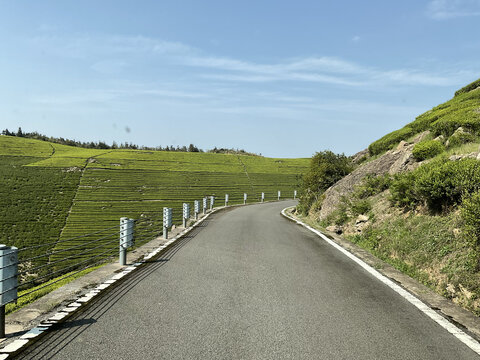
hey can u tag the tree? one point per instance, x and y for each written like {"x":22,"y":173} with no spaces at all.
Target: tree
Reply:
{"x":326,"y":168}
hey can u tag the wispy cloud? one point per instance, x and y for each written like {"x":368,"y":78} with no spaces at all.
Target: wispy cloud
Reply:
{"x":112,"y":54}
{"x":447,"y":9}
{"x":105,"y":96}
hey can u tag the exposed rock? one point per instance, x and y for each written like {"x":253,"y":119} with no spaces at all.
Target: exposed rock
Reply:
{"x":420,"y":137}
{"x":472,"y":155}
{"x":393,"y":161}
{"x":456,"y":232}
{"x":358,"y":157}
{"x":460,"y":130}
{"x":439,"y":138}
{"x":455,"y":157}
{"x":361,"y":219}
{"x":402,"y":145}
{"x":335,"y":229}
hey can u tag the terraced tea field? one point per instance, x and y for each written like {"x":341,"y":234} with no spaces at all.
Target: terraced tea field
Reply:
{"x":97,"y":187}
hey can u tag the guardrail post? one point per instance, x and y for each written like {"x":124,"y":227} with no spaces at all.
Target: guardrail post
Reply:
{"x":124,"y":231}
{"x":226,"y":199}
{"x":244,"y":198}
{"x":8,"y":280}
{"x":263,"y":197}
{"x":130,"y":231}
{"x":212,"y":202}
{"x":204,"y":205}
{"x":167,"y":221}
{"x":279,"y":193}
{"x":186,"y":214}
{"x":196,"y":208}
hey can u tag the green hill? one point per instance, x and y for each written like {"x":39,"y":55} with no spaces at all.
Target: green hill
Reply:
{"x":56,"y":192}
{"x":461,"y":111}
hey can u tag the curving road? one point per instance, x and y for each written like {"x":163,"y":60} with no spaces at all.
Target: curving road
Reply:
{"x":249,"y":284}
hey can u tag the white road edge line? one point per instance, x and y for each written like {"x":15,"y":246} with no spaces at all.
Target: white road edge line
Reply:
{"x":440,"y":320}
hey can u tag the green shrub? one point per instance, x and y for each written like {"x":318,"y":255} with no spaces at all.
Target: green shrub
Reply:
{"x":388,"y":141}
{"x":465,"y":118}
{"x":460,"y":138}
{"x":439,"y":184}
{"x":468,"y":88}
{"x":373,"y":185}
{"x":360,"y":207}
{"x":427,"y":149}
{"x":402,"y":191}
{"x":326,"y":168}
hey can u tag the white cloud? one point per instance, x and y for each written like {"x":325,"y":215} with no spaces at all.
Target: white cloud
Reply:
{"x":111,"y":54}
{"x":447,"y":9}
{"x":356,"y":38}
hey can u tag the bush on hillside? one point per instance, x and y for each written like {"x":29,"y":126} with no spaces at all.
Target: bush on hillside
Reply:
{"x":326,"y":168}
{"x":427,"y":149}
{"x":460,"y":138}
{"x":467,"y":119}
{"x":439,"y":184}
{"x":372,"y":185}
{"x":468,"y":88}
{"x":388,"y":141}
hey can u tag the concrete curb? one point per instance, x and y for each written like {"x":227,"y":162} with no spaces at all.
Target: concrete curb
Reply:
{"x":445,"y":313}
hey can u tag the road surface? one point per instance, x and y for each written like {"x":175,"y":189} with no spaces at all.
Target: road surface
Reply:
{"x":249,"y":284}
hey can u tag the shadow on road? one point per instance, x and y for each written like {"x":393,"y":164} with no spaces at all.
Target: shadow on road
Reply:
{"x":62,"y":334}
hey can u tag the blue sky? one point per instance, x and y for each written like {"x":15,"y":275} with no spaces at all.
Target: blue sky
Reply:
{"x":281,"y":78}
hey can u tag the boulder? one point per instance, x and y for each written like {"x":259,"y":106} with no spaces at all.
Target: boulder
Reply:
{"x":335,"y":229}
{"x":361,"y":219}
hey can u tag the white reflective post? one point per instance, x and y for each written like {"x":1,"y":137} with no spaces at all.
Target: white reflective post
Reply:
{"x":186,"y":214}
{"x":263,"y":196}
{"x":212,"y":202}
{"x":294,"y":194}
{"x":123,"y":240}
{"x":167,"y":221}
{"x":244,"y":198}
{"x":204,"y":205}
{"x":226,"y":199}
{"x":196,"y":208}
{"x":279,"y":193}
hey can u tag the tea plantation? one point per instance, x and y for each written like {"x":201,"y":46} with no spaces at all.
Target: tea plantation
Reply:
{"x":55,"y":194}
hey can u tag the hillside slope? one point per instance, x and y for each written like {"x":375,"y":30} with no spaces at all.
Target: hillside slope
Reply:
{"x":413,"y":199}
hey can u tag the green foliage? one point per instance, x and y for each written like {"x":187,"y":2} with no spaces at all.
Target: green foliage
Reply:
{"x":462,"y":110}
{"x":402,"y":191}
{"x":465,"y":118}
{"x":439,"y":184}
{"x":372,"y":185}
{"x":326,"y":168}
{"x":360,"y":207}
{"x":427,"y":149}
{"x":460,"y":138}
{"x":470,"y":211}
{"x":388,"y":141}
{"x":472,"y":86}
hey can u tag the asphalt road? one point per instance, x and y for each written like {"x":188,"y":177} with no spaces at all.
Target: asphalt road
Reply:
{"x":249,"y":284}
